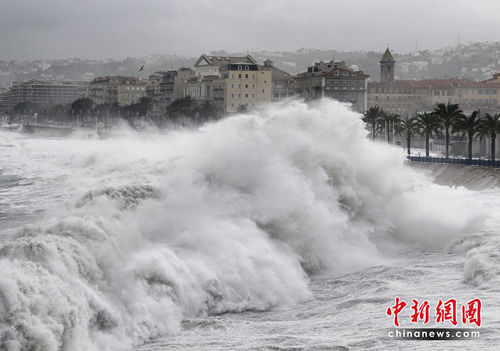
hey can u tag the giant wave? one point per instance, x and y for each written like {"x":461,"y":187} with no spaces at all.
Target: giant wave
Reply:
{"x":231,"y":217}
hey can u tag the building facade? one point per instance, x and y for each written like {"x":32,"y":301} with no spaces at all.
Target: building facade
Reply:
{"x":165,"y":87}
{"x":210,"y":65}
{"x":283,"y":83}
{"x":408,"y":97}
{"x":117,"y":89}
{"x":42,"y":93}
{"x":334,"y":80}
{"x":230,"y":83}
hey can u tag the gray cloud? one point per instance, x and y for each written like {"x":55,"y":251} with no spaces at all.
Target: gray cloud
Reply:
{"x":120,"y":28}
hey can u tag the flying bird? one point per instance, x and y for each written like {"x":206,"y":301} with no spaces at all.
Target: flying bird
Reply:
{"x":142,"y":68}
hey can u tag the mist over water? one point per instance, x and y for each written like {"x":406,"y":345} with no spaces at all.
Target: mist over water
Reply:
{"x":109,"y":244}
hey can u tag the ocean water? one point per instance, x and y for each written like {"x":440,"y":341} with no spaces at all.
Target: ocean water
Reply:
{"x":283,"y":229}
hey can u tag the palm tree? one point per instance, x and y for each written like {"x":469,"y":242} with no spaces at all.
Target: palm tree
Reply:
{"x":490,"y":125}
{"x":427,"y":124}
{"x":371,"y":117}
{"x":408,"y":127}
{"x":386,"y":123}
{"x":447,"y":114}
{"x":470,"y":125}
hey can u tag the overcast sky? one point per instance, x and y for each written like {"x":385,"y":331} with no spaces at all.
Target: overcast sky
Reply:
{"x":41,"y":29}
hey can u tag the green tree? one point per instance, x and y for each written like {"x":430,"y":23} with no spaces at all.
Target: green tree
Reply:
{"x":58,"y":112}
{"x":468,"y":124}
{"x":371,"y":117}
{"x":184,"y":107}
{"x":26,"y":108}
{"x":490,"y":126}
{"x":447,"y":114}
{"x":207,"y":111}
{"x":142,"y":106}
{"x":427,"y":124}
{"x":82,"y":106}
{"x":408,"y":127}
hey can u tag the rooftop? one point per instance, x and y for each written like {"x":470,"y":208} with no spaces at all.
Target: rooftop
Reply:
{"x":223,"y":60}
{"x":387,"y":56}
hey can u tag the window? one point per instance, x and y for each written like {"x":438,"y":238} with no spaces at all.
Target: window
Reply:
{"x":262,"y":90}
{"x":246,"y":95}
{"x":246,"y":75}
{"x":246,"y":86}
{"x":246,"y":69}
{"x":239,"y":69}
{"x":232,"y":75}
{"x":232,"y":95}
{"x":239,"y":75}
{"x":239,"y":95}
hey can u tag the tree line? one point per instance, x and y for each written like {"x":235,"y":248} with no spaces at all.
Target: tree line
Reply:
{"x":85,"y":109}
{"x":445,"y":119}
{"x":82,"y":109}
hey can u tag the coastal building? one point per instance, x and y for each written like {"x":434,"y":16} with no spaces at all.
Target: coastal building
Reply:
{"x":230,"y":83}
{"x":334,"y":79}
{"x":480,"y":95}
{"x":408,"y":97}
{"x":42,"y":93}
{"x":165,"y":87}
{"x":117,"y":89}
{"x":283,"y":83}
{"x":246,"y":84}
{"x":210,"y":89}
{"x":3,"y":100}
{"x":210,"y":65}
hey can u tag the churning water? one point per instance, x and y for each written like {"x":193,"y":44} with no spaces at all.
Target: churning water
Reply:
{"x":281,"y":229}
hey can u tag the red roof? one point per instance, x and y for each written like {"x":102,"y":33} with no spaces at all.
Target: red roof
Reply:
{"x":427,"y":83}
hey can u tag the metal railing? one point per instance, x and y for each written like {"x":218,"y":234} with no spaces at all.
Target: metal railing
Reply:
{"x":454,"y":160}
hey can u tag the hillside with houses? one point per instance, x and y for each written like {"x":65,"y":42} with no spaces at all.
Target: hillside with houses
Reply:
{"x":476,"y":61}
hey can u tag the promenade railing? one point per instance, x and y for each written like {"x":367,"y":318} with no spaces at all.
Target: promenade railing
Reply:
{"x":456,"y":160}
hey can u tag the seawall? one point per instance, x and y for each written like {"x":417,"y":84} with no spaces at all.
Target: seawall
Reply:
{"x":472,"y":177}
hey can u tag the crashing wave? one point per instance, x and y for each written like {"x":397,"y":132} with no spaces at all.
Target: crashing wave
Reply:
{"x":128,"y":197}
{"x":237,"y":215}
